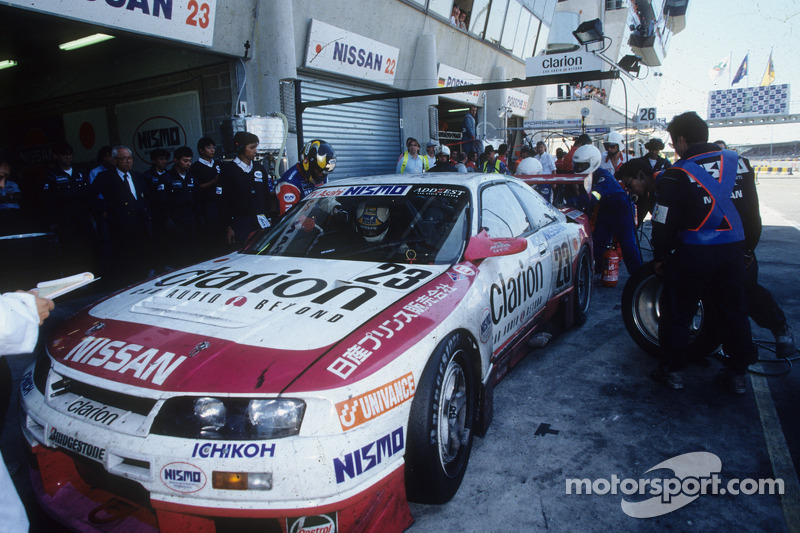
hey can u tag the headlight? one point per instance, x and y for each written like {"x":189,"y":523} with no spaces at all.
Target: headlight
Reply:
{"x":229,"y":418}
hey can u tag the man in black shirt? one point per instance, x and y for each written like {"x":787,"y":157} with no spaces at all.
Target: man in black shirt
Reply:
{"x":206,"y":173}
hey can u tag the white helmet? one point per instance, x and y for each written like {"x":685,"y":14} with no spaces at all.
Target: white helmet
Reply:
{"x":614,"y":137}
{"x":586,"y":159}
{"x":443,"y":150}
{"x":372,"y":221}
{"x":528,"y":166}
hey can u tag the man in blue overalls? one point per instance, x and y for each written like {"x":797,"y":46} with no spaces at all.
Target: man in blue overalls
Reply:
{"x":705,"y":220}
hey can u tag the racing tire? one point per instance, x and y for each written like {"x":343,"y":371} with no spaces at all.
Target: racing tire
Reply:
{"x":640,"y":312}
{"x":582,"y":283}
{"x":440,"y":427}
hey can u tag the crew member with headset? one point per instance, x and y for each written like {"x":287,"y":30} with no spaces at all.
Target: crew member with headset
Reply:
{"x":248,"y":191}
{"x":317,"y":160}
{"x":705,"y":221}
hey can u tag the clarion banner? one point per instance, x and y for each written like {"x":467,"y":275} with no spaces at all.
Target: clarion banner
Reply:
{"x":548,"y":65}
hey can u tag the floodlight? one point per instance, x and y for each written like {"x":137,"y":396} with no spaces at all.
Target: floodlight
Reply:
{"x":590,"y":31}
{"x":630,"y":63}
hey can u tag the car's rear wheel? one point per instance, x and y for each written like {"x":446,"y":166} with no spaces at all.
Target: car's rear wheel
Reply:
{"x":441,"y":422}
{"x":583,"y":287}
{"x":640,"y":312}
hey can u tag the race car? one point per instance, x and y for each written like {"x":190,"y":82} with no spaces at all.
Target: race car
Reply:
{"x":336,"y":367}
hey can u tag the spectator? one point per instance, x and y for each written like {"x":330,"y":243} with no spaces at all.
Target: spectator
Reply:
{"x":472,"y":162}
{"x":123,"y":203}
{"x":656,"y":162}
{"x":104,"y":162}
{"x":524,"y":152}
{"x":67,"y":200}
{"x":461,"y":162}
{"x":502,"y":153}
{"x":430,"y":155}
{"x":411,"y":162}
{"x":468,"y":136}
{"x":548,"y":161}
{"x":493,"y":164}
{"x":206,"y":173}
{"x":159,"y":183}
{"x":462,"y":20}
{"x":11,"y":216}
{"x":455,"y":15}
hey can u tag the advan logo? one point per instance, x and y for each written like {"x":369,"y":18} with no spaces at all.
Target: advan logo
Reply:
{"x":183,"y":477}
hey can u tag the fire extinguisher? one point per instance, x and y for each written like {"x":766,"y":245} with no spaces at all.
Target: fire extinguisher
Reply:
{"x":610,"y":266}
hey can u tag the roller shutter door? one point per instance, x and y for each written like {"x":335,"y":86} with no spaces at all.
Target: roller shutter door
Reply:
{"x":365,"y":135}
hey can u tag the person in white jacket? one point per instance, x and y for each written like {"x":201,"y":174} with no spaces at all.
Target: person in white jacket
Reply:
{"x":21,"y":314}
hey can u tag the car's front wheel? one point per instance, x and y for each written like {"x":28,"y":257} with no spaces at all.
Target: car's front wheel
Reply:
{"x":441,"y":422}
{"x":582,"y":282}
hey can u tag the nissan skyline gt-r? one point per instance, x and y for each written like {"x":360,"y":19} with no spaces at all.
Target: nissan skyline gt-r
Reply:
{"x":334,"y":368}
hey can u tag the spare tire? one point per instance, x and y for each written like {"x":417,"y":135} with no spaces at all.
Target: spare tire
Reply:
{"x":640,"y":312}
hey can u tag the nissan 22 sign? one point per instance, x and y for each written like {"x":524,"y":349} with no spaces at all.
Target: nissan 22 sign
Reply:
{"x":335,"y":50}
{"x":190,"y":21}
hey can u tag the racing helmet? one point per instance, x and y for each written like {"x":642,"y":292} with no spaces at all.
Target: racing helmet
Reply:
{"x":614,"y":137}
{"x":372,"y":221}
{"x":528,"y":166}
{"x":586,"y":159}
{"x":318,"y":160}
{"x":443,"y":150}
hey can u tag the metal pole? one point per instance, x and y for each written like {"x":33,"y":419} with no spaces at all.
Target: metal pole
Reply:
{"x":298,"y":116}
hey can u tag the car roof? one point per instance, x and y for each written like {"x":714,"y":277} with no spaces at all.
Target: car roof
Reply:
{"x":470,"y":180}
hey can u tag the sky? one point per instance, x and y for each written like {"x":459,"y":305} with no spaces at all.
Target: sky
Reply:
{"x":714,"y":29}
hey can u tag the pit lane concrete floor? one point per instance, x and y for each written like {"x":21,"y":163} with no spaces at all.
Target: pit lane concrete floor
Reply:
{"x":584,"y":407}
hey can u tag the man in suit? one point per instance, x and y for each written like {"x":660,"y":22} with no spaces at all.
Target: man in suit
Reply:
{"x":123,"y":206}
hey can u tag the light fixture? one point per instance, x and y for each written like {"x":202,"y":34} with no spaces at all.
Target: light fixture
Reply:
{"x":590,"y":31}
{"x":85,"y":41}
{"x":458,"y":110}
{"x":630,"y":63}
{"x":7,"y":63}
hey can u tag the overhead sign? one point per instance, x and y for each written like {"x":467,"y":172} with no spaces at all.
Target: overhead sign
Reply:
{"x":339,"y":51}
{"x":550,"y":124}
{"x":190,"y":21}
{"x":452,"y":77}
{"x":516,"y":101}
{"x":548,"y":65}
{"x":598,"y":129}
{"x":749,"y":101}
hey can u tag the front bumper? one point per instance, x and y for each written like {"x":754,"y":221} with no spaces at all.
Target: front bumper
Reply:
{"x":94,"y":478}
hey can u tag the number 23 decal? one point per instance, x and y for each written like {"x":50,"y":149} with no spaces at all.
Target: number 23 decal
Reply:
{"x":202,"y":10}
{"x":562,"y":264}
{"x":408,"y":277}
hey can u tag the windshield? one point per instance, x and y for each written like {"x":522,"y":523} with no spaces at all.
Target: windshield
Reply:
{"x":424,"y":224}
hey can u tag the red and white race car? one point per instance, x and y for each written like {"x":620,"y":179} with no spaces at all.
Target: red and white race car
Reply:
{"x":339,"y":364}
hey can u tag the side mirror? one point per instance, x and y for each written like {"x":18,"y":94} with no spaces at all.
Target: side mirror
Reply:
{"x":481,"y":246}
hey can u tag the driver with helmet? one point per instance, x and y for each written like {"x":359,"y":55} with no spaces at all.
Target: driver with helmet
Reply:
{"x":372,"y":222}
{"x":614,"y":211}
{"x":317,"y":160}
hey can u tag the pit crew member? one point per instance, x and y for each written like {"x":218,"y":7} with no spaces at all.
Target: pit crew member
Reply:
{"x":316,"y":162}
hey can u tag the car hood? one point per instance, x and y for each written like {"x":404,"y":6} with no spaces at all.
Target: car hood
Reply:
{"x":238,"y":323}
